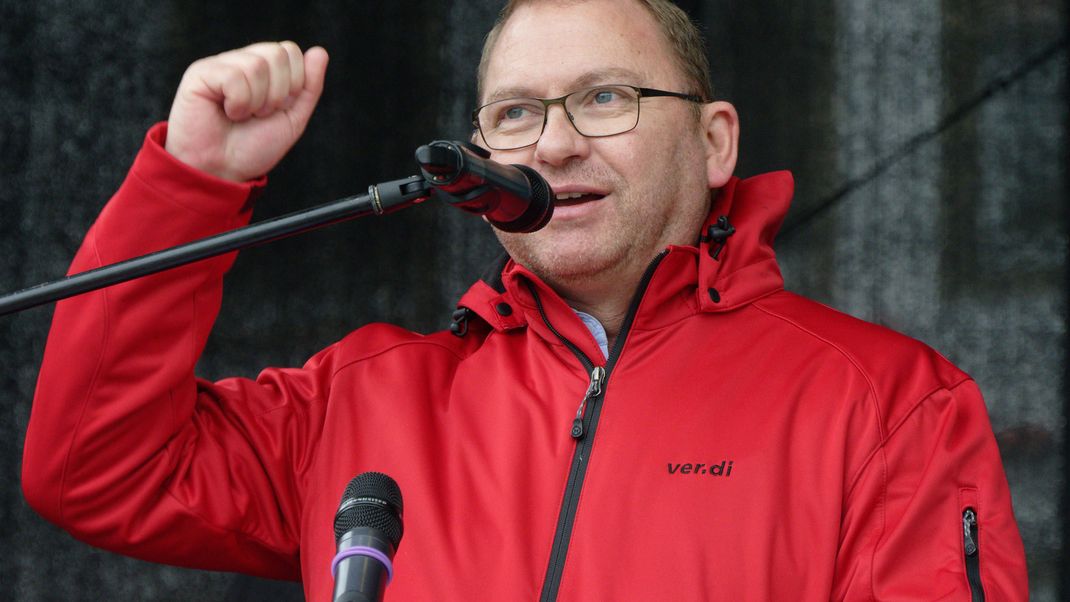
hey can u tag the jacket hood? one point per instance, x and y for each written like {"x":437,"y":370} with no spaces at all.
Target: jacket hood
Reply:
{"x":732,"y":265}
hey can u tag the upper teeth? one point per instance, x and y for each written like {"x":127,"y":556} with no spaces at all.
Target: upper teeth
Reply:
{"x":569,"y":195}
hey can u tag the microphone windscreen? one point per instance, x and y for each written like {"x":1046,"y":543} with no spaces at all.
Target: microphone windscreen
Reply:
{"x":371,"y":499}
{"x":539,"y":209}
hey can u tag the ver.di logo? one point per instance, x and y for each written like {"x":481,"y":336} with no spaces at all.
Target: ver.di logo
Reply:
{"x":713,"y":470}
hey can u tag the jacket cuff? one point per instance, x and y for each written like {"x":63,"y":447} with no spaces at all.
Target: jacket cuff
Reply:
{"x":187,"y":186}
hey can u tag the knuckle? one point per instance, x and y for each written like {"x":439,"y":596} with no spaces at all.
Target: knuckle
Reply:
{"x":259,"y":66}
{"x":258,"y":46}
{"x":279,"y":55}
{"x":231,"y":74}
{"x":290,"y":48}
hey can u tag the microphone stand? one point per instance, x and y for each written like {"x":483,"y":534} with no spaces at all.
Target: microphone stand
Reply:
{"x":381,"y":199}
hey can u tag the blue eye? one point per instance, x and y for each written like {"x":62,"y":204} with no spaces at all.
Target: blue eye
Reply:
{"x":604,"y":96}
{"x":514,"y":112}
{"x":515,"y":115}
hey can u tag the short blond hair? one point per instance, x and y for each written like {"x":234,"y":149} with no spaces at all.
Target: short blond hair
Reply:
{"x":684,"y":37}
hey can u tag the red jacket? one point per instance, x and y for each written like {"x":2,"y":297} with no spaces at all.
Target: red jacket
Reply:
{"x":745,"y":444}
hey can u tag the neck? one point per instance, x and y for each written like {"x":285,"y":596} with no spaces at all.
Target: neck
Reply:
{"x":606,"y":296}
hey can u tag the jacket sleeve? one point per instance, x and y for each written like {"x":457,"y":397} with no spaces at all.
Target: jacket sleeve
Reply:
{"x":903,"y":535}
{"x":125,"y":448}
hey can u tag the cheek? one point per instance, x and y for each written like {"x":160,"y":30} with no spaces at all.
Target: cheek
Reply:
{"x":670,"y":187}
{"x":664,"y":143}
{"x":626,"y":160}
{"x":523,"y":156}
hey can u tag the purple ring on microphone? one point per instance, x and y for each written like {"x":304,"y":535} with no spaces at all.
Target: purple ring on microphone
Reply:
{"x":363,"y":551}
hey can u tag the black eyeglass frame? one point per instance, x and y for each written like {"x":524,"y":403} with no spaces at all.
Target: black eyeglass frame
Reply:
{"x":548,"y":102}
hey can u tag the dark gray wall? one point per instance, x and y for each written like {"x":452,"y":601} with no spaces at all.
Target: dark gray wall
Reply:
{"x":928,"y":141}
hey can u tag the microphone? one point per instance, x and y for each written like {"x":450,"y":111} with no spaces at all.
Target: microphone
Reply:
{"x":368,"y":529}
{"x":514,"y":198}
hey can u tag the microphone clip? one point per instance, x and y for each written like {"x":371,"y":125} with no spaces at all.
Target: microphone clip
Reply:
{"x":442,"y":164}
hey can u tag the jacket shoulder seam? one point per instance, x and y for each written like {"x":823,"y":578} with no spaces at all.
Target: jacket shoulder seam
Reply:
{"x":877,"y":450}
{"x":356,"y":360}
{"x":846,"y":355}
{"x":880,"y":451}
{"x":894,"y":429}
{"x":377,"y":352}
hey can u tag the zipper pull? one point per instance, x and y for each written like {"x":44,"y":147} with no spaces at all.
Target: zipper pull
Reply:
{"x":969,"y":526}
{"x":598,"y":376}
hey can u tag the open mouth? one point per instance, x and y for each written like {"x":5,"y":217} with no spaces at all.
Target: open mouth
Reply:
{"x":575,"y":198}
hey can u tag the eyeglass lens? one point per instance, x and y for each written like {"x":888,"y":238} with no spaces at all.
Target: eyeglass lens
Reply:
{"x":597,"y":111}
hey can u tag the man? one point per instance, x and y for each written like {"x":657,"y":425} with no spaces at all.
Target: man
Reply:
{"x":727,"y":440}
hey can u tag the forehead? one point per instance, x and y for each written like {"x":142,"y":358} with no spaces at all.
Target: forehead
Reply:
{"x":549,"y":48}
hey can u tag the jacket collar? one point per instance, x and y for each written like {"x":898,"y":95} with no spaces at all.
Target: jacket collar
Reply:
{"x":732,"y":265}
{"x":746,"y":267}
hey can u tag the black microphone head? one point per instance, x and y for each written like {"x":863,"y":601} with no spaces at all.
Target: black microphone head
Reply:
{"x":539,"y":210}
{"x":372,"y":499}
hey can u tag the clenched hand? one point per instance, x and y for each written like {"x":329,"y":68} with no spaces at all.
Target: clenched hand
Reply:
{"x":236,"y":114}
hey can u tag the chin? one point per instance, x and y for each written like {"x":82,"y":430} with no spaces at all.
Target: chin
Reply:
{"x":562,"y":258}
{"x":564,"y":266}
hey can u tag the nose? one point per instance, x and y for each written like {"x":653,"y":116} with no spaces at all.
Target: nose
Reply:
{"x":560,"y":141}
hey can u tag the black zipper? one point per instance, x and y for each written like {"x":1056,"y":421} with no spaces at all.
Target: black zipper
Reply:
{"x":582,"y":429}
{"x":594,"y":389}
{"x":972,"y":549}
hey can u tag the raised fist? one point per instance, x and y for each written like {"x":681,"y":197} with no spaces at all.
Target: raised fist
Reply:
{"x":236,"y":114}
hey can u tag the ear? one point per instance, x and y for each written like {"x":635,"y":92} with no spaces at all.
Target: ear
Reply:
{"x":720,"y":124}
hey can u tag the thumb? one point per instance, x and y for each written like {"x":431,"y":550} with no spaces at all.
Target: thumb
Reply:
{"x":315,"y":59}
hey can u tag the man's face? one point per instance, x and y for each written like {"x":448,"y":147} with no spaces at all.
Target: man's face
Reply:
{"x":643,"y":189}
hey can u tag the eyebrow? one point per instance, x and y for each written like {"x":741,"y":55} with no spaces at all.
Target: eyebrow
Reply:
{"x":609,"y":75}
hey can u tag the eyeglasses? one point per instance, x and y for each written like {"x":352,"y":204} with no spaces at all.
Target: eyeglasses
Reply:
{"x":595,"y":112}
